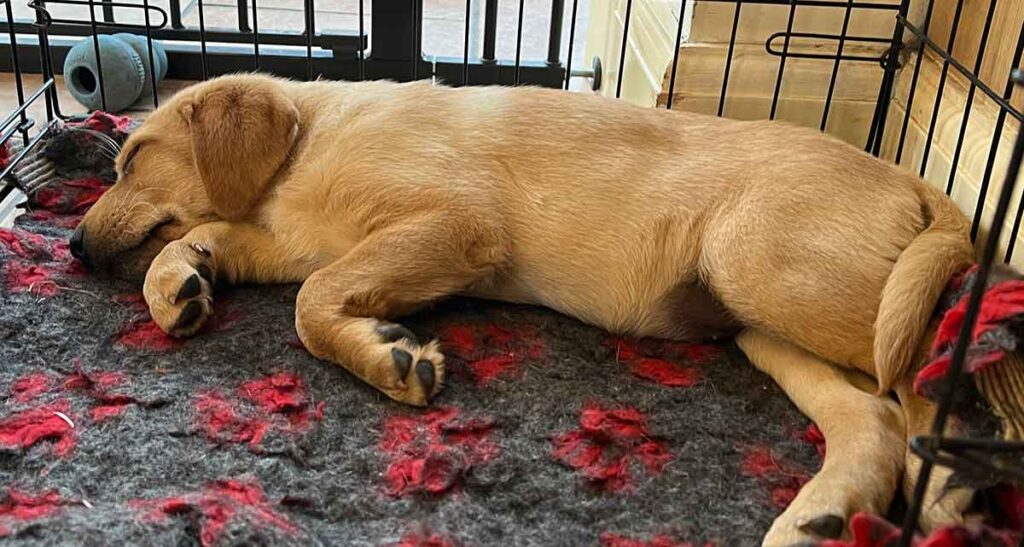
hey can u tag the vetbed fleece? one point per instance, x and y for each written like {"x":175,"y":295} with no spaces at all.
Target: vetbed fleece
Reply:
{"x":548,"y":432}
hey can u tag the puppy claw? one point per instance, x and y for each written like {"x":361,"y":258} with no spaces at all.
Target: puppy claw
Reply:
{"x":425,"y":373}
{"x":394,"y":333}
{"x":189,"y":289}
{"x":205,"y":272}
{"x":189,"y":315}
{"x":826,"y":526}
{"x":402,"y":361}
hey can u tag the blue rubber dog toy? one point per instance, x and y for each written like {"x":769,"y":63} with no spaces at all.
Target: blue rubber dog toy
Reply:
{"x":126,"y":70}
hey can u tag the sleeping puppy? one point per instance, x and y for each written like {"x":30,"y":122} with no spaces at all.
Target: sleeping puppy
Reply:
{"x":382,"y":198}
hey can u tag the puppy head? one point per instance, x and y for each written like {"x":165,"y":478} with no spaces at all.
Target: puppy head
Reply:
{"x":208,"y":154}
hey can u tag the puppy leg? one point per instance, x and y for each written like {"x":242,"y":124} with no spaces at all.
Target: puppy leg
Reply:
{"x":863,"y":435}
{"x":342,"y":311}
{"x":939,"y":508}
{"x":179,"y":283}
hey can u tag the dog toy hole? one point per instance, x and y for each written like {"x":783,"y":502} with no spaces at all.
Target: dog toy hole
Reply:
{"x":84,"y":79}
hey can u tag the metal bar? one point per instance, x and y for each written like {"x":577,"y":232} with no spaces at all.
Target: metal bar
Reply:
{"x":982,"y":44}
{"x":519,"y":39}
{"x":416,"y":27}
{"x":108,"y":10}
{"x":572,"y":39}
{"x":74,"y":26}
{"x":938,"y":90}
{"x":555,"y":32}
{"x":24,"y":151}
{"x":830,"y":57}
{"x":202,"y":41}
{"x":728,"y":58}
{"x":362,"y":46}
{"x":835,"y":66}
{"x":782,"y":60}
{"x":18,"y":83}
{"x":465,"y":44}
{"x":45,"y":60}
{"x":997,"y":134}
{"x":255,"y":37}
{"x":490,"y":30}
{"x":243,"y":16}
{"x":307,"y":13}
{"x":622,"y":50}
{"x":675,"y":54}
{"x":956,"y":366}
{"x":24,"y":104}
{"x":99,"y":61}
{"x":174,"y":6}
{"x":902,"y":23}
{"x":149,"y":51}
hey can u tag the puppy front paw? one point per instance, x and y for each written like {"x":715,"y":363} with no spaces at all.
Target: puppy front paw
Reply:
{"x":413,"y":373}
{"x":179,"y":288}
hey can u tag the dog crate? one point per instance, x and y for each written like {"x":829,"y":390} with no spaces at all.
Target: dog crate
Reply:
{"x":926,"y":84}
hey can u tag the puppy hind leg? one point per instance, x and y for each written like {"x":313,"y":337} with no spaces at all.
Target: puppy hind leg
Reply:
{"x":941,"y":507}
{"x":864,"y":437}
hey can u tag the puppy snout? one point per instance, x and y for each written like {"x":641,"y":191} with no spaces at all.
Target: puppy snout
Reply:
{"x":77,"y":245}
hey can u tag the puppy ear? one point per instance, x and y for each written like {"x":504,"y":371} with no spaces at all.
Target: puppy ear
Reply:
{"x":242,"y":131}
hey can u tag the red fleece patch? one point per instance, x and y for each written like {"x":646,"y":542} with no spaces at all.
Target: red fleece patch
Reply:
{"x":19,"y":508}
{"x":431,"y":453}
{"x":24,"y":430}
{"x":95,"y":385}
{"x":38,"y":262}
{"x":610,"y":539}
{"x":30,"y":386}
{"x":144,"y":334}
{"x":814,"y":436}
{"x":668,"y":372}
{"x":413,"y":539}
{"x":784,"y":478}
{"x":493,"y":351}
{"x":279,"y":403}
{"x":69,"y":222}
{"x":71,"y":196}
{"x":216,"y":506}
{"x":999,"y":304}
{"x":607,"y":445}
{"x":873,"y":531}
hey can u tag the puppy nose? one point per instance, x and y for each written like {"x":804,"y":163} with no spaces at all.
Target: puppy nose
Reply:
{"x":77,"y":245}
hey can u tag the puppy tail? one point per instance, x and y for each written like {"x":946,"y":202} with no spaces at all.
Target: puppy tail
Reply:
{"x":916,"y":282}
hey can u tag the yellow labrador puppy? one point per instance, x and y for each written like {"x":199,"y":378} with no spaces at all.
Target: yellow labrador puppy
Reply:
{"x":382,"y":198}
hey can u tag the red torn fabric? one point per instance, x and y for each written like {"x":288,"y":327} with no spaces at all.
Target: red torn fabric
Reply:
{"x":873,"y":531}
{"x":608,"y":445}
{"x":493,"y":351}
{"x":69,"y":222}
{"x":17,"y":509}
{"x":148,"y":336}
{"x":70,"y":197}
{"x":30,"y":386}
{"x":783,"y":478}
{"x":142,"y":333}
{"x":26,"y":244}
{"x":216,"y":506}
{"x":24,"y":430}
{"x":991,"y":338}
{"x":814,"y":436}
{"x":431,"y":453}
{"x":611,"y":539}
{"x":25,"y":277}
{"x":413,"y":539}
{"x":663,"y":371}
{"x":279,"y":403}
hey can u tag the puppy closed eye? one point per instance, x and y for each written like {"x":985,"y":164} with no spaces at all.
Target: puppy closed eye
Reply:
{"x":128,"y":159}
